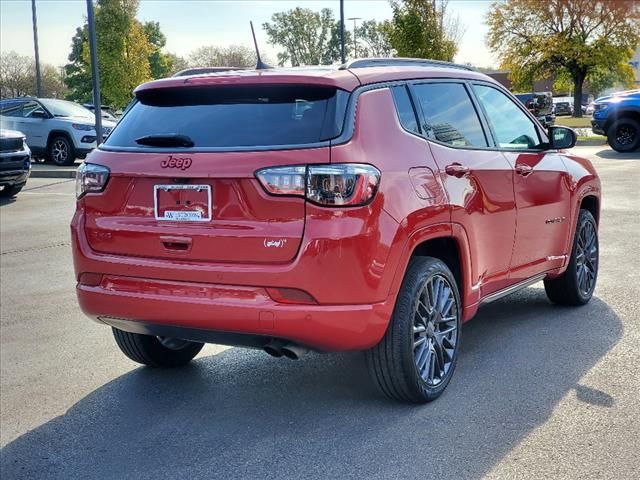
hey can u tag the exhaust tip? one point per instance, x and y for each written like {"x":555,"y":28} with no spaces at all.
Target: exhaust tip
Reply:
{"x":289,"y":354}
{"x":273,"y":350}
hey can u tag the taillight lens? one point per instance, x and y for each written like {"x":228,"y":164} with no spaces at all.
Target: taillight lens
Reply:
{"x":283,"y":180}
{"x":343,"y":184}
{"x":91,"y":178}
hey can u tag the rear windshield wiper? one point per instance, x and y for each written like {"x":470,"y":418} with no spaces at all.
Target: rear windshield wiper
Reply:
{"x":165,"y":140}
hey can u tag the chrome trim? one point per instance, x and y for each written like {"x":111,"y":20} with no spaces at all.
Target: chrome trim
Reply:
{"x":512,"y":289}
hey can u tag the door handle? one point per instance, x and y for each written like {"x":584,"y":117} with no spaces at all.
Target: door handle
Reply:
{"x":456,"y":170}
{"x":524,"y":170}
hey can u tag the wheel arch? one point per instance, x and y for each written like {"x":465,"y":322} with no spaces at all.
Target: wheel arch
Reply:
{"x":627,"y":112}
{"x":449,"y":243}
{"x":592,"y":204}
{"x":59,"y":133}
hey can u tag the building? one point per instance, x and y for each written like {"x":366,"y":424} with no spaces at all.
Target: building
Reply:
{"x":502,"y":77}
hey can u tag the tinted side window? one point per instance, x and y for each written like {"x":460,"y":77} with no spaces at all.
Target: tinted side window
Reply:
{"x":11,"y":108}
{"x":513,"y":128}
{"x":449,"y":115}
{"x":406,"y":113}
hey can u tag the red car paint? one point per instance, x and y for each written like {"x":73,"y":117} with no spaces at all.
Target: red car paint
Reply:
{"x":326,"y":278}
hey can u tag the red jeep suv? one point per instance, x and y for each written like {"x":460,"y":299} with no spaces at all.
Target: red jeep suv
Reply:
{"x":373,"y":207}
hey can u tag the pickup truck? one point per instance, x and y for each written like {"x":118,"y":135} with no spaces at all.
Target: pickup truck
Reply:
{"x":618,"y":117}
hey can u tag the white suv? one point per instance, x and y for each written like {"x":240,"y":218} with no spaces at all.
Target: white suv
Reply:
{"x":55,"y":129}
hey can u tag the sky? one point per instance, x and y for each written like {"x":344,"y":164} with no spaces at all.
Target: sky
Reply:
{"x":189,"y":24}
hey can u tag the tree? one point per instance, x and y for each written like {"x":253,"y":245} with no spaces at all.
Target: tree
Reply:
{"x":308,"y":37}
{"x":77,"y":72}
{"x":373,"y":39}
{"x":124,"y":53}
{"x":232,"y":56}
{"x":18,"y":77}
{"x":161,"y":64}
{"x":123,"y":50}
{"x":578,"y":37}
{"x":419,"y":29}
{"x":177,"y":63}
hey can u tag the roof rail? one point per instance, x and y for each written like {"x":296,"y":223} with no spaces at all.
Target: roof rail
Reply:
{"x":402,"y":62}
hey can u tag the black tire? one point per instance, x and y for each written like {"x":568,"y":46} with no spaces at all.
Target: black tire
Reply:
{"x":149,"y":350}
{"x":61,"y":151}
{"x":624,"y":135}
{"x":393,"y":363}
{"x":566,"y":289}
{"x":11,"y":190}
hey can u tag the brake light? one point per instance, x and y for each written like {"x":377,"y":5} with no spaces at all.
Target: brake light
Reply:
{"x":343,"y":184}
{"x":91,"y":178}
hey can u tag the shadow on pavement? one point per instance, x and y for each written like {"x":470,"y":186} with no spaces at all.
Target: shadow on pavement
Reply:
{"x":611,"y":154}
{"x":242,"y":414}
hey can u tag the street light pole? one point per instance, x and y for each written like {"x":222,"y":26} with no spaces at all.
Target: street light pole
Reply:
{"x":355,"y":44}
{"x":342,"y":55}
{"x":34,"y":18}
{"x":95,"y":74}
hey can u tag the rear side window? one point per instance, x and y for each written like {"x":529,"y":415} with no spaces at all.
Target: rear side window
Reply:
{"x":11,"y":108}
{"x":406,"y":113}
{"x":235,"y":116}
{"x":449,"y":115}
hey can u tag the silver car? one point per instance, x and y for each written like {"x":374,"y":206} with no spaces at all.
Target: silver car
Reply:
{"x":55,"y":129}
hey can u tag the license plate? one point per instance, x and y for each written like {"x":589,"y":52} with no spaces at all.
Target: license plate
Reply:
{"x":182,"y":203}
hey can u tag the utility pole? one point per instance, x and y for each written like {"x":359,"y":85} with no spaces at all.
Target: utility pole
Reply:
{"x":342,"y":56}
{"x":355,"y":44}
{"x":35,"y":46}
{"x":95,"y":74}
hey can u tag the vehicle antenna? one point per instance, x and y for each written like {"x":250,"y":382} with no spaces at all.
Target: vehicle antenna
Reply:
{"x":260,"y":65}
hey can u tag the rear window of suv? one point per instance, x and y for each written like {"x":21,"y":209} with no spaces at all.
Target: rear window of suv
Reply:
{"x":235,"y":116}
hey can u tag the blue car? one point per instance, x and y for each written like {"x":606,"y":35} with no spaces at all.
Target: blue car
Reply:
{"x":618,"y":117}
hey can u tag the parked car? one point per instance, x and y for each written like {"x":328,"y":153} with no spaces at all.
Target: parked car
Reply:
{"x":56,"y":129}
{"x":402,"y":197}
{"x":15,"y":162}
{"x":106,"y":112}
{"x":562,"y":108}
{"x":618,"y":117}
{"x":540,"y":104}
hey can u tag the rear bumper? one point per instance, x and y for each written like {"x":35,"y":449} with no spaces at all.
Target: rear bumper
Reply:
{"x":151,"y":295}
{"x":198,"y":311}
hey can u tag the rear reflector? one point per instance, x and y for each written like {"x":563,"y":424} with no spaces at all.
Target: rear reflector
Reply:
{"x":90,"y":279}
{"x":291,"y":295}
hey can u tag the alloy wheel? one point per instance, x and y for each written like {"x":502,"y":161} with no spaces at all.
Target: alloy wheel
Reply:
{"x":587,"y":258}
{"x":625,"y":135}
{"x":435,"y":330}
{"x":59,"y":151}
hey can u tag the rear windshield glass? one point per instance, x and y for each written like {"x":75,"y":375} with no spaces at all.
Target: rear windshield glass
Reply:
{"x":234,"y":116}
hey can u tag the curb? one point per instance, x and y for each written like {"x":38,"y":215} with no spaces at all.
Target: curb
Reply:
{"x":591,"y":143}
{"x":52,"y":173}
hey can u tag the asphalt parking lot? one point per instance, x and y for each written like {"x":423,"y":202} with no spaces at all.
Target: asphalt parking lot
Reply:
{"x":540,"y":391}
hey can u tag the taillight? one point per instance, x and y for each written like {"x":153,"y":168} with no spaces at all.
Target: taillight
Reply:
{"x":342,"y":184}
{"x":91,"y":178}
{"x":283,"y":180}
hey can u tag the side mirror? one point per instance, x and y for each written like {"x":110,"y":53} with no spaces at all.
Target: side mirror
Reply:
{"x":38,"y":114}
{"x":562,"y":137}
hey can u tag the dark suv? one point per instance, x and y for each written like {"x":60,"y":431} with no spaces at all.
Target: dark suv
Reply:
{"x":370,"y":207}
